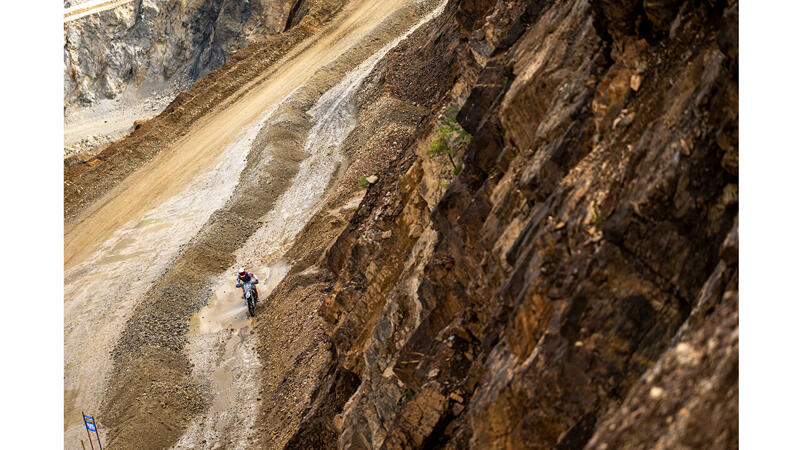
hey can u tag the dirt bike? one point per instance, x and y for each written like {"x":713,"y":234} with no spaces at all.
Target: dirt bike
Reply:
{"x":250,"y":297}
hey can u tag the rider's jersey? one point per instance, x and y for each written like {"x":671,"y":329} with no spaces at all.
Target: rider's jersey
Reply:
{"x":248,"y":277}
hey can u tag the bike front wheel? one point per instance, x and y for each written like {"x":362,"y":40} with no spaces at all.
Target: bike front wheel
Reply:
{"x":251,"y":307}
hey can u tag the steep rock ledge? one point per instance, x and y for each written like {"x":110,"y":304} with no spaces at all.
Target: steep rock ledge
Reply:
{"x":577,"y":281}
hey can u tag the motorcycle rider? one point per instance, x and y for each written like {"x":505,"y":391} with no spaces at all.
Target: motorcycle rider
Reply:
{"x":247,"y":277}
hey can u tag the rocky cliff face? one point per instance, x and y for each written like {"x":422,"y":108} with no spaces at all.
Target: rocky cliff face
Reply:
{"x":145,"y":46}
{"x":574,"y":281}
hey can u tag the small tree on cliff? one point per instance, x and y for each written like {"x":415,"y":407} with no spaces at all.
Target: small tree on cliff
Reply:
{"x":449,"y":134}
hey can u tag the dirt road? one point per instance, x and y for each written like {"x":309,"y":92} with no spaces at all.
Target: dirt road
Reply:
{"x":118,"y":247}
{"x":91,"y":7}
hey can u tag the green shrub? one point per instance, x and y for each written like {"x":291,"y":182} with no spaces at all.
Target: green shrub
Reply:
{"x":449,"y":134}
{"x":597,"y":219}
{"x":438,"y":146}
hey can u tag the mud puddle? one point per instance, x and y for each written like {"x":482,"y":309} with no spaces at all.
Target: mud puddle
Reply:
{"x":226,"y":308}
{"x":222,"y":348}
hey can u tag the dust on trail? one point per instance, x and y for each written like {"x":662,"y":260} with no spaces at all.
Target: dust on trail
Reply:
{"x":218,"y":344}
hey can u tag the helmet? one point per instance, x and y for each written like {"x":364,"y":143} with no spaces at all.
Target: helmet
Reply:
{"x":242,"y":271}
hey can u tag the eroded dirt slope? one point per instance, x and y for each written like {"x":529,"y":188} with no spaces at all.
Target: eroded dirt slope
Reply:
{"x":118,"y":248}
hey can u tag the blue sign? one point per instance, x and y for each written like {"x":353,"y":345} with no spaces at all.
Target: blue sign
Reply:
{"x":91,"y":426}
{"x":89,"y":422}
